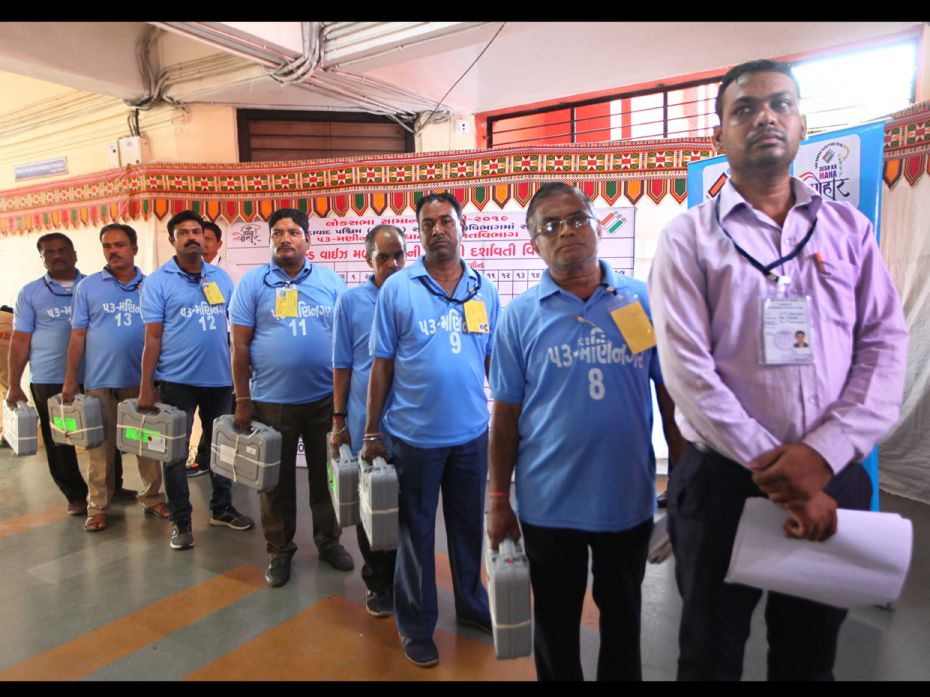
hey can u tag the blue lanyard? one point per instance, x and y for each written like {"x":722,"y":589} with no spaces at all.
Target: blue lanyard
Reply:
{"x":765,"y":270}
{"x":129,"y":288}
{"x":290,"y":282}
{"x":195,"y":278}
{"x":472,"y":292}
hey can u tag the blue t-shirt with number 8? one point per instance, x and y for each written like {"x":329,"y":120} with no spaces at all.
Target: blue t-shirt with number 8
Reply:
{"x":585,"y":459}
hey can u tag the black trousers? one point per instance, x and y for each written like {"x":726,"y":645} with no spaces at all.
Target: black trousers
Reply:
{"x":378,"y":570}
{"x":706,"y":496}
{"x":559,"y":576}
{"x":311,"y":422}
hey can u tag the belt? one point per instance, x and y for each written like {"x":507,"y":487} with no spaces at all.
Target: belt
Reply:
{"x":708,"y":451}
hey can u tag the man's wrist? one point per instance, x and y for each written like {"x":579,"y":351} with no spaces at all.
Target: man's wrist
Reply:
{"x":498,"y":499}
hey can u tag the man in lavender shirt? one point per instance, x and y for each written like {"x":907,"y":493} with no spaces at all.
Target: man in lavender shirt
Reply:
{"x":732,"y":282}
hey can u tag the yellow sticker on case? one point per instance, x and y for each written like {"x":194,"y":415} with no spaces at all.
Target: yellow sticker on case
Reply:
{"x":635,"y":326}
{"x":476,"y":317}
{"x":213,"y":293}
{"x":285,"y":302}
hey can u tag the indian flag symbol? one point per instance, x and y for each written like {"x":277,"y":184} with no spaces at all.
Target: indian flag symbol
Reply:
{"x":612,"y":222}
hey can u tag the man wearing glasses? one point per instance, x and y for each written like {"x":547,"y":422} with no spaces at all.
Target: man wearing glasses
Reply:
{"x":282,"y":316}
{"x":187,"y":349}
{"x":41,"y":329}
{"x":106,"y":327}
{"x":570,"y":376}
{"x":769,"y":257}
{"x":431,"y":343}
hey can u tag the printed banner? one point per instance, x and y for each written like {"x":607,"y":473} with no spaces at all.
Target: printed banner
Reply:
{"x":497,"y":244}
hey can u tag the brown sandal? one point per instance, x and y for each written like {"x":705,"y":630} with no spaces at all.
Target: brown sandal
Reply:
{"x":159,"y":510}
{"x":95,"y":522}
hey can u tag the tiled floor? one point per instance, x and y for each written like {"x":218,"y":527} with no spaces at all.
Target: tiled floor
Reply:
{"x":121,"y":605}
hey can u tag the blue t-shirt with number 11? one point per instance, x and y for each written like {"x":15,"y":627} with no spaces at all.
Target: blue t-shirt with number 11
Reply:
{"x":291,"y":349}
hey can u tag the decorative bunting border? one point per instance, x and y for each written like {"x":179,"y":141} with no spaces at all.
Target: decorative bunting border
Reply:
{"x":248,"y":191}
{"x":907,"y":146}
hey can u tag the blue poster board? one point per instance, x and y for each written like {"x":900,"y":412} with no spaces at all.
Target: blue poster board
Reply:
{"x":843,"y":165}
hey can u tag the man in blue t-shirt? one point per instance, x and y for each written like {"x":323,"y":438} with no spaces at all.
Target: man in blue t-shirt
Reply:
{"x":187,"y":350}
{"x":107,"y":331}
{"x":570,"y":376}
{"x":40,"y":337}
{"x":199,"y":463}
{"x":282,"y":316}
{"x":431,"y":343}
{"x":385,"y":252}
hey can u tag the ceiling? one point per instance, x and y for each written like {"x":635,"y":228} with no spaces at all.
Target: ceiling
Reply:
{"x":397,"y":68}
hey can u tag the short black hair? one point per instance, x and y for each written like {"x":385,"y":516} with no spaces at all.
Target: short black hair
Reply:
{"x":53,"y":236}
{"x":553,"y":189}
{"x":207,"y":225}
{"x":178,"y":218}
{"x":444,"y":196}
{"x":370,"y":237}
{"x":762,"y":65}
{"x":297,"y":216}
{"x":130,"y":233}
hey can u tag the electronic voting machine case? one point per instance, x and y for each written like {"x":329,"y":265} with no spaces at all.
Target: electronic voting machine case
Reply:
{"x":251,"y":458}
{"x":509,"y":595}
{"x":79,"y":423}
{"x":160,"y":434}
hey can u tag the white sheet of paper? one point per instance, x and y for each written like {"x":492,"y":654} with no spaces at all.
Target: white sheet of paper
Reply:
{"x":864,"y":563}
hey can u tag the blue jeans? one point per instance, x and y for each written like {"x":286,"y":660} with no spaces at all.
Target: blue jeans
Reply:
{"x":213,"y":402}
{"x":460,"y":472}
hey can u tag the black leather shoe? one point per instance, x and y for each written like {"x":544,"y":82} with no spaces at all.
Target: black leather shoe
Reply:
{"x":338,"y":558}
{"x":279,"y":571}
{"x":662,"y":500}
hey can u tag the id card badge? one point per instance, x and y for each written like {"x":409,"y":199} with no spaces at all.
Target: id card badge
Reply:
{"x":476,"y":317}
{"x":213,"y":293}
{"x":633,"y":322}
{"x":285,"y":302}
{"x":786,"y":331}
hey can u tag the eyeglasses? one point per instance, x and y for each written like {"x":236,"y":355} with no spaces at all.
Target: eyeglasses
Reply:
{"x":575,"y":221}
